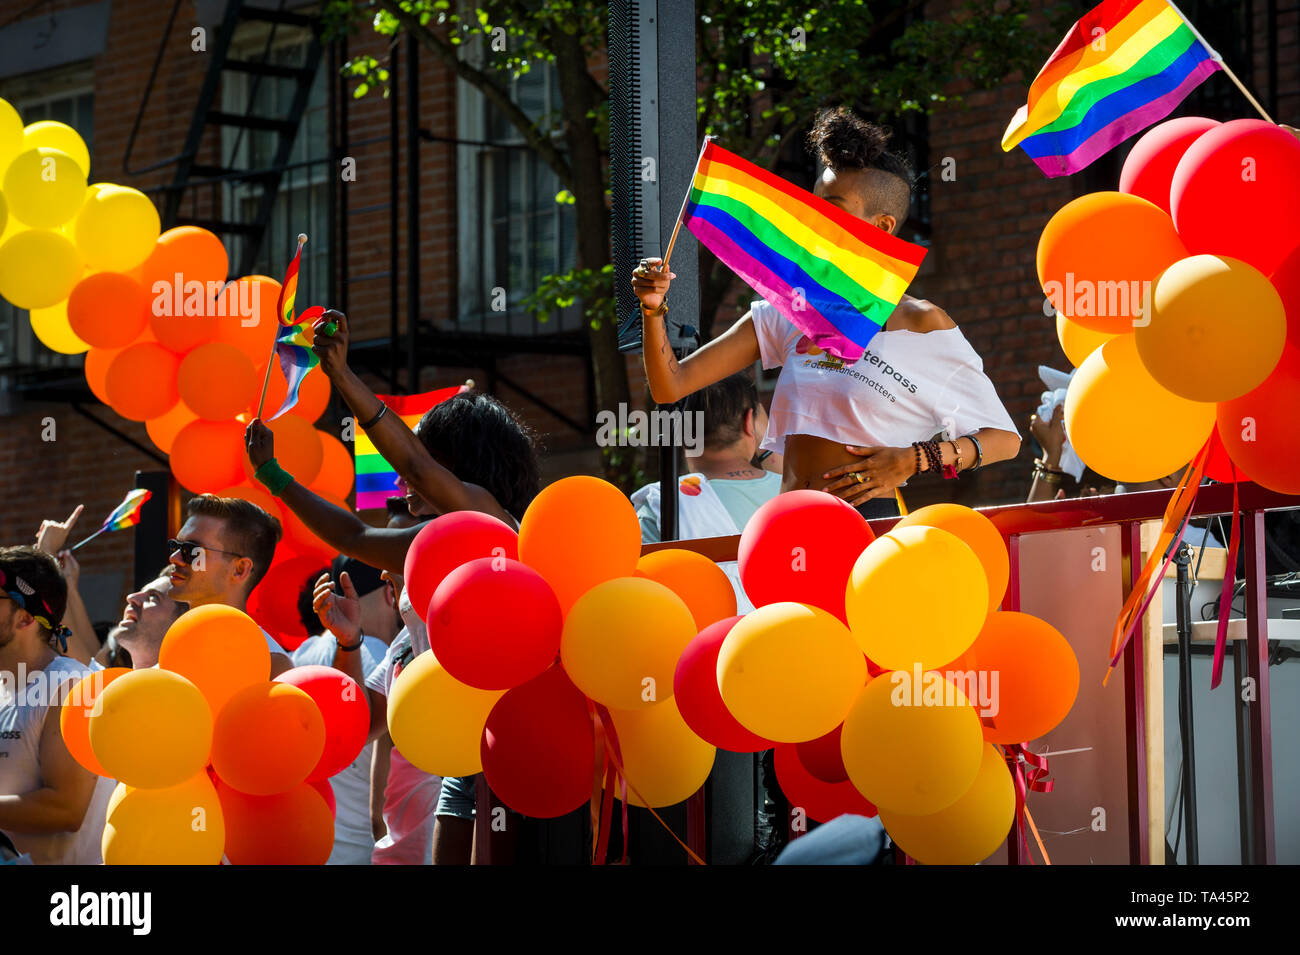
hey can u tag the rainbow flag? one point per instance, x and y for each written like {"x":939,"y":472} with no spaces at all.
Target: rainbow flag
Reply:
{"x":1125,"y":65}
{"x":836,"y":277}
{"x":126,"y":514}
{"x":376,"y":479}
{"x":293,"y":348}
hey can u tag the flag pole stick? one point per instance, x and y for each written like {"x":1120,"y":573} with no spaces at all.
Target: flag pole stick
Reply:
{"x":266,"y":379}
{"x":1214,"y":55}
{"x":88,"y":539}
{"x":668,"y":253}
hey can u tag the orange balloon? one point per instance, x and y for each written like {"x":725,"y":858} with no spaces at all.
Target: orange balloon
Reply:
{"x":74,"y":716}
{"x":255,"y":494}
{"x":313,"y":395}
{"x":249,"y":323}
{"x":267,"y":739}
{"x":217,"y":381}
{"x":579,"y":532}
{"x":701,"y":583}
{"x":195,"y":253}
{"x":96,"y":369}
{"x":297,"y":447}
{"x":207,"y":455}
{"x":336,"y":470}
{"x":220,"y":650}
{"x":1097,"y":253}
{"x":141,"y":381}
{"x":108,"y":309}
{"x":978,"y":533}
{"x":302,"y":541}
{"x":163,"y":429}
{"x":289,"y":828}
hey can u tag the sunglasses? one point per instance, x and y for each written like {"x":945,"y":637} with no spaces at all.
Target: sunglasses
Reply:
{"x":191,"y":549}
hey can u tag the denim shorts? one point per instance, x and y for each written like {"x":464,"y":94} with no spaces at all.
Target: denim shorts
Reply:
{"x":456,"y":797}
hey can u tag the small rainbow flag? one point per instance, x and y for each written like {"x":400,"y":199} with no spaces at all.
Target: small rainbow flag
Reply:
{"x":836,"y":277}
{"x":376,"y":479}
{"x":126,"y":514}
{"x":1124,"y":65}
{"x":293,"y":349}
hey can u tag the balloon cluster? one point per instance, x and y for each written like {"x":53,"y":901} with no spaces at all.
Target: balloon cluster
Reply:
{"x":1178,"y":298}
{"x":211,"y":757}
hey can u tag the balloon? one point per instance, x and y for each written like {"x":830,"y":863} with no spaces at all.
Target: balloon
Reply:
{"x":890,"y":598}
{"x":789,"y":672}
{"x":289,"y":828}
{"x":910,"y":747}
{"x":297,"y":449}
{"x":116,"y":228}
{"x":1286,"y":279}
{"x":38,"y":268}
{"x":44,"y":188}
{"x":538,"y":748}
{"x":96,"y":368}
{"x":822,"y":757}
{"x":1212,"y":312}
{"x":220,"y":649}
{"x":1261,"y":431}
{"x":425,"y":695}
{"x":184,"y":275}
{"x":1096,"y":254}
{"x":54,"y":135}
{"x":622,"y":639}
{"x":1250,"y":167}
{"x":443,"y":545}
{"x":108,"y":309}
{"x":1150,"y":165}
{"x":663,"y":761}
{"x":153,"y":729}
{"x":267,"y":738}
{"x":336,"y":469}
{"x":274,"y":601}
{"x":141,"y":381}
{"x":74,"y":716}
{"x":809,"y":796}
{"x":303,"y":541}
{"x":1021,"y":675}
{"x":343,"y":707}
{"x":578,"y":532}
{"x":250,"y":325}
{"x":494,"y":623}
{"x":52,"y":328}
{"x":1076,"y":341}
{"x":179,"y":825}
{"x":975,"y":531}
{"x":11,"y":134}
{"x":695,"y":688}
{"x":1218,"y":465}
{"x":800,"y":546}
{"x":1123,"y":424}
{"x":702,"y":584}
{"x":164,"y":428}
{"x":326,"y":791}
{"x":207,"y":455}
{"x":195,"y":253}
{"x":217,"y":381}
{"x":254,"y":494}
{"x":968,"y":831}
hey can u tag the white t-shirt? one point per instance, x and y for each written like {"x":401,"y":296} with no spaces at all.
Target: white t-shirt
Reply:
{"x":908,"y":386}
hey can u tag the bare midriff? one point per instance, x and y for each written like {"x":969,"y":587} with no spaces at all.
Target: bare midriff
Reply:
{"x":808,"y":457}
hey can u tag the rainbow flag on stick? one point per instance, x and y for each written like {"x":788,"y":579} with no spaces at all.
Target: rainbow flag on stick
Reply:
{"x":292,"y":345}
{"x":1125,"y":65}
{"x":836,"y":277}
{"x":376,"y":479}
{"x":126,"y":514}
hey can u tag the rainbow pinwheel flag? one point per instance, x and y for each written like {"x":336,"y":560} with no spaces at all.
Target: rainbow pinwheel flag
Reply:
{"x":835,"y":276}
{"x":1124,"y":65}
{"x":376,"y":479}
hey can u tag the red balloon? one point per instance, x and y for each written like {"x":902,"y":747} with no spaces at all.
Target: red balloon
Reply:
{"x":294,"y":827}
{"x":1234,"y":193}
{"x":494,"y":623}
{"x":344,"y":708}
{"x":801,"y":546}
{"x":538,"y":747}
{"x":1218,"y":466}
{"x":274,"y":601}
{"x":326,"y":790}
{"x":1151,"y":162}
{"x":695,"y":688}
{"x":444,"y":544}
{"x":1287,"y":282}
{"x":1261,"y":429}
{"x":821,"y":801}
{"x":822,"y":757}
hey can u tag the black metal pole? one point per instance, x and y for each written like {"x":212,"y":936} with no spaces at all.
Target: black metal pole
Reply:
{"x":157,"y":517}
{"x":412,"y":213}
{"x":1185,"y":716}
{"x":1241,"y":710}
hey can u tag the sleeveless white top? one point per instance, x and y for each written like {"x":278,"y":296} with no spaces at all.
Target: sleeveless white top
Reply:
{"x":908,"y":386}
{"x":419,"y":632}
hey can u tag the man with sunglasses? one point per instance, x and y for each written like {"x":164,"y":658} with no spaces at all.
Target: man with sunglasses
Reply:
{"x":221,"y":553}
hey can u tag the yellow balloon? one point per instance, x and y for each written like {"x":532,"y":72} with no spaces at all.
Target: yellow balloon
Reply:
{"x":664,"y":760}
{"x":116,"y":228}
{"x":154,"y":729}
{"x":11,"y":135}
{"x":59,"y":136}
{"x":968,"y":831}
{"x":179,"y":825}
{"x":912,"y":742}
{"x":52,"y":328}
{"x":622,"y":639}
{"x":890,"y":598}
{"x":789,"y":672}
{"x":1078,"y":342}
{"x":436,"y":721}
{"x":119,"y":792}
{"x":1123,"y":424}
{"x":4,"y":213}
{"x":38,"y":268}
{"x":44,"y":187}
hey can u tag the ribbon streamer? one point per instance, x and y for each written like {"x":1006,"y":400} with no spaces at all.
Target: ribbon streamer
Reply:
{"x":1017,"y":757}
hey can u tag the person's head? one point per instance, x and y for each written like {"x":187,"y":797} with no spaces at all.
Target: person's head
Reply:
{"x":480,"y":440}
{"x":149,"y":613}
{"x":859,"y":174}
{"x":33,"y":596}
{"x":734,"y":419}
{"x":399,"y":512}
{"x":379,"y":616}
{"x":227,"y":547}
{"x":306,"y":601}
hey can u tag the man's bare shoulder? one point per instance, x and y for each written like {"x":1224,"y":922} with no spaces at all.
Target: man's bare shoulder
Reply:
{"x":918,"y":315}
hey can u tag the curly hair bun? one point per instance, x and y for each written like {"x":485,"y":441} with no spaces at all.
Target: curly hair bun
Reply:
{"x":843,"y":140}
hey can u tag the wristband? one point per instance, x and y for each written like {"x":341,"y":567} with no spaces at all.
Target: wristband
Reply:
{"x":273,"y":477}
{"x":383,"y":410}
{"x":357,"y":646}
